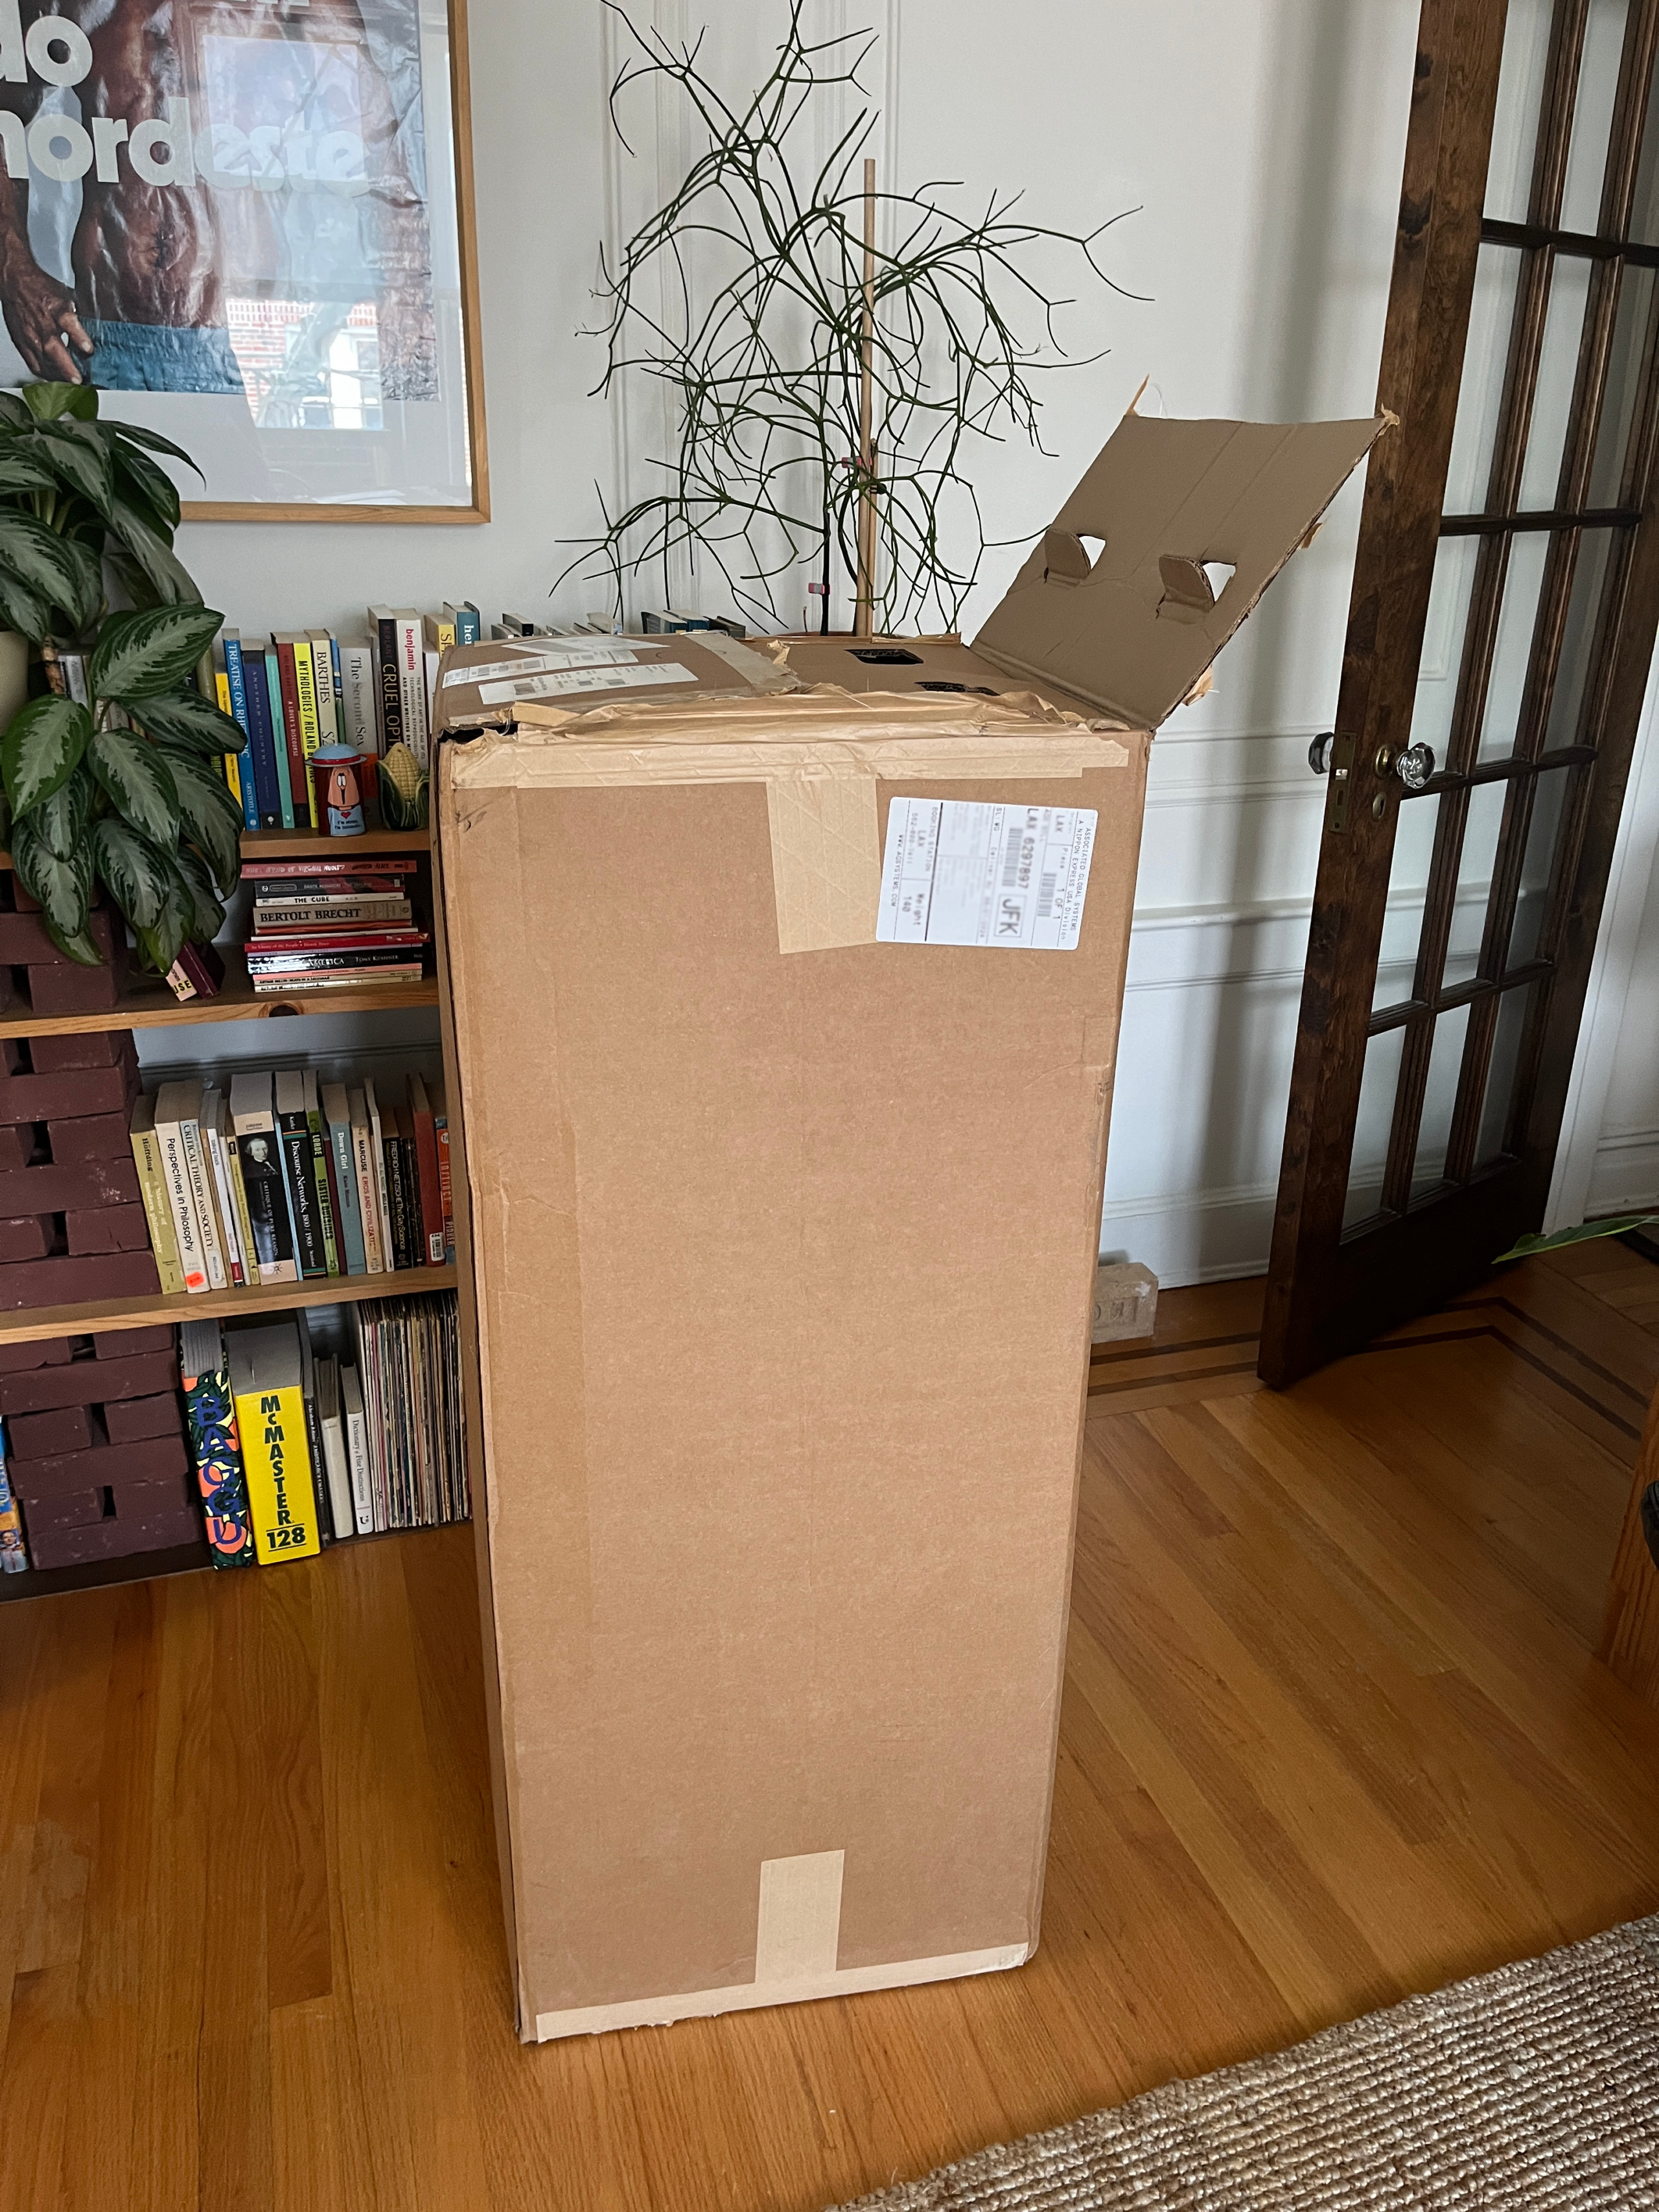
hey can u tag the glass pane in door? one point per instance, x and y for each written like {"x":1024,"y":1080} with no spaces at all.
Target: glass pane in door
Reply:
{"x":1549,"y":798}
{"x":1481,"y":825}
{"x":1439,"y":1097}
{"x":1402,"y":917}
{"x":1512,"y":649}
{"x":1501,"y":1071}
{"x":1370,"y":1138}
{"x":1579,"y":639}
{"x":1557,"y":371}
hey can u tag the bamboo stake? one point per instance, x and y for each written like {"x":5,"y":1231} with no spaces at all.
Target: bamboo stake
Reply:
{"x":863,"y":604}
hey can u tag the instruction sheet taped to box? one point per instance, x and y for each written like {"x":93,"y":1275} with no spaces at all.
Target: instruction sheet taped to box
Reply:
{"x":956,"y":872}
{"x":584,"y":679}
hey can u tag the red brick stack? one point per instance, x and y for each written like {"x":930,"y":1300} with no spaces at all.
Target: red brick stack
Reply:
{"x":97,"y":1457}
{"x":56,"y":984}
{"x":72,"y":1225}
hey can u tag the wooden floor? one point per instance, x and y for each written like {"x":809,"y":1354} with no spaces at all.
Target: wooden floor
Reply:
{"x":1332,"y":1733}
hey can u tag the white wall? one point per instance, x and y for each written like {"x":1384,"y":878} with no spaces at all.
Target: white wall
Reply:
{"x":1263,"y":143}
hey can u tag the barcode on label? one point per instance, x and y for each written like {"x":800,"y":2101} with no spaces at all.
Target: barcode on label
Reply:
{"x":956,"y":872}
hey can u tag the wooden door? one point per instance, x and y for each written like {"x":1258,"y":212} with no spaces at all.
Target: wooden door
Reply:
{"x":1504,"y":603}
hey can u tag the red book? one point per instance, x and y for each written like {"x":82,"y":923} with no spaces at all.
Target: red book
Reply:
{"x":285,"y":942}
{"x":297,"y":772}
{"x":426,"y":1156}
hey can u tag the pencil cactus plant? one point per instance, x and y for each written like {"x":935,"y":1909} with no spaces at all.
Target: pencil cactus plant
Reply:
{"x":125,"y":788}
{"x":749,"y":301}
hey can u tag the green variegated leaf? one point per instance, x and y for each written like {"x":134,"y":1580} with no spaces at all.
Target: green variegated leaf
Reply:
{"x":188,"y":721}
{"x":134,"y":870}
{"x":210,"y":913}
{"x":160,"y":567}
{"x":60,"y":822}
{"x":22,"y":610}
{"x":137,"y":435}
{"x":138,"y":780}
{"x":208,"y":821}
{"x":149,"y":487}
{"x":45,"y":565}
{"x":141,"y":655}
{"x":64,"y":887}
{"x":172,"y":924}
{"x":20,"y":470}
{"x":77,"y":455}
{"x":80,"y":946}
{"x":13,"y":413}
{"x":42,"y":749}
{"x":1615,"y":1225}
{"x":46,"y":402}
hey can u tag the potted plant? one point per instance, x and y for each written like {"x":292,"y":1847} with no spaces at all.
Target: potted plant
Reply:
{"x":124,"y":788}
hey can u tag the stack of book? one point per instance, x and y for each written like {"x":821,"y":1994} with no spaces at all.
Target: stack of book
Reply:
{"x":299,"y":689}
{"x":326,"y":925}
{"x":281,"y":1178}
{"x":294,"y":1448}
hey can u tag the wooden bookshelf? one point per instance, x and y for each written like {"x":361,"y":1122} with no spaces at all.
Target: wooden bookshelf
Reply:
{"x":147,"y":1003}
{"x":305,"y":844}
{"x":102,"y":1574}
{"x":28,"y":1324}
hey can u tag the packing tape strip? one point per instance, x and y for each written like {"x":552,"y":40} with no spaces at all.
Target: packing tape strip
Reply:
{"x":820,"y":795}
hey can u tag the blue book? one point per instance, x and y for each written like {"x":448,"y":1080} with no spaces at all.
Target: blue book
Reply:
{"x":339,"y":686}
{"x":348,"y":1223}
{"x":259,"y":737}
{"x":279,"y":740}
{"x":237,"y":681}
{"x":469,"y":627}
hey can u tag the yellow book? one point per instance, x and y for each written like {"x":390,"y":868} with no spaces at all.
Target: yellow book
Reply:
{"x":270,"y":1415}
{"x":233,"y":764}
{"x":153,"y":1189}
{"x":311,"y":730}
{"x":440,"y":632}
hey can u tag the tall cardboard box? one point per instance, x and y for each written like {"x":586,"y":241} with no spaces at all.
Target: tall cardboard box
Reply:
{"x":781,"y":1005}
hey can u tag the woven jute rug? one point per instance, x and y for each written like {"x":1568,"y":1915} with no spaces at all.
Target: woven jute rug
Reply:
{"x":1537,"y":2086}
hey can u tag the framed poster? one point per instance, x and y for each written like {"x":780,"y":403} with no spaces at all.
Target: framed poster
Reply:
{"x":249,"y":222}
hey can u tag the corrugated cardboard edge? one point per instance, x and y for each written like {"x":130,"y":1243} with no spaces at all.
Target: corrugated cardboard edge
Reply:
{"x":820,"y":789}
{"x":472,"y":1356}
{"x":748,"y":1996}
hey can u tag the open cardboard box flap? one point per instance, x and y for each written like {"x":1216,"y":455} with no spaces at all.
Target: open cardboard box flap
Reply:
{"x":1133,"y":629}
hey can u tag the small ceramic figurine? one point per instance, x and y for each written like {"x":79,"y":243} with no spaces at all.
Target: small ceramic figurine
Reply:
{"x":340,"y":789}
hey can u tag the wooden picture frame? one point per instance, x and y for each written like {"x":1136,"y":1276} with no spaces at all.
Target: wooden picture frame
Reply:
{"x":321,"y":358}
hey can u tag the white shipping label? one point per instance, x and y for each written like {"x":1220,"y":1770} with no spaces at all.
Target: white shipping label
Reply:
{"x":585,"y":679}
{"x":956,"y":872}
{"x":548,"y":652}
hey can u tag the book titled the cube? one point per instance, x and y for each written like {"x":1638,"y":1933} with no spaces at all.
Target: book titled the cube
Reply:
{"x":265,"y":1378}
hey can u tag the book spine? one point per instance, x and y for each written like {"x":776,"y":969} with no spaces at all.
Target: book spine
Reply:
{"x":322,"y":963}
{"x":259,"y":1157}
{"x":389,"y":689}
{"x":236,"y":683}
{"x":279,"y":739}
{"x":469,"y":627}
{"x":267,"y":800}
{"x":337,"y":681}
{"x":353,"y":1257}
{"x":302,"y":1196}
{"x":322,"y":668}
{"x":195,"y":1167}
{"x":221,"y":1479}
{"x":330,"y":915}
{"x":13,"y":1555}
{"x":186,"y":1229}
{"x":403,"y":1254}
{"x":446,"y":1186}
{"x":322,"y":1172}
{"x":239,"y":1202}
{"x":373,"y":1258}
{"x":281,"y":1495}
{"x":411,"y":684}
{"x":358,"y":679}
{"x":431,"y":1202}
{"x":153,"y":1189}
{"x":225,"y":1215}
{"x":362,"y":1488}
{"x":311,"y":728}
